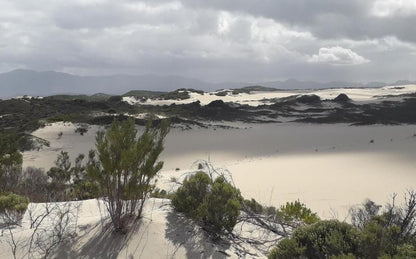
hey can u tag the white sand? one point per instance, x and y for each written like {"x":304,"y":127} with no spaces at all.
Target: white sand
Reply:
{"x":329,"y":167}
{"x":363,"y":95}
{"x":160,"y":234}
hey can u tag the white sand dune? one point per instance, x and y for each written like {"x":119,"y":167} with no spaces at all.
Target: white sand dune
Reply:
{"x":160,"y":233}
{"x":362,"y":95}
{"x":329,"y":167}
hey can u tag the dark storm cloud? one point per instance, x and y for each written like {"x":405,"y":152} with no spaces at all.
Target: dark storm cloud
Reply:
{"x":354,"y":19}
{"x":244,"y":40}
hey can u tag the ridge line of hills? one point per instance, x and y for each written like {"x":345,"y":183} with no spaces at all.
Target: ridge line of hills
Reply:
{"x":28,"y":82}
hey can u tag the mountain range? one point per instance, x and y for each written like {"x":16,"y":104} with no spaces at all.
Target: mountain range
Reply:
{"x":34,"y":83}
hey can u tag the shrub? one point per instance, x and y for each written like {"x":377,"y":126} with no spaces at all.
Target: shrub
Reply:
{"x":125,"y":167}
{"x":287,"y":249}
{"x":60,"y":176}
{"x":34,"y":184}
{"x":297,"y":212}
{"x":253,"y":206}
{"x":189,"y":197}
{"x":10,"y":162}
{"x":221,"y":207}
{"x":215,"y":204}
{"x":320,"y":240}
{"x":12,"y":207}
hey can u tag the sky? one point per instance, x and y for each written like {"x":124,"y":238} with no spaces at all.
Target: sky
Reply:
{"x":215,"y":40}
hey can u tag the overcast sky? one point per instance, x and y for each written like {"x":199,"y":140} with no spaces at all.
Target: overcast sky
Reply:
{"x":215,"y":40}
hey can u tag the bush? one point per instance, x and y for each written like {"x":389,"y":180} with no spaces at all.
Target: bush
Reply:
{"x":215,"y":204}
{"x":189,"y":197}
{"x":34,"y":184}
{"x":297,"y":212}
{"x":10,"y":162}
{"x":12,"y":207}
{"x":124,"y":167}
{"x":221,"y":207}
{"x":320,"y":240}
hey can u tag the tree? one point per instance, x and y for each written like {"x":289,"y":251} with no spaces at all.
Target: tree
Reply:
{"x":124,"y":167}
{"x":60,"y":175}
{"x":82,"y":187}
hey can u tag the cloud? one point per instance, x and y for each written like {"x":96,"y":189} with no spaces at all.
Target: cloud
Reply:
{"x":330,"y":19}
{"x":216,"y":40}
{"x":386,"y":8}
{"x":338,"y":56}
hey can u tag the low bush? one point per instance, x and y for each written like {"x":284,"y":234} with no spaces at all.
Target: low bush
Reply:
{"x":320,"y":240}
{"x":12,"y":207}
{"x":215,"y":204}
{"x":297,"y":212}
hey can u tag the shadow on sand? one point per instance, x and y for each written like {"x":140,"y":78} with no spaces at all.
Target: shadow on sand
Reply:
{"x":183,"y":232}
{"x":105,"y":243}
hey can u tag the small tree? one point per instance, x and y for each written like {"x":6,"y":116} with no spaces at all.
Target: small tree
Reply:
{"x":125,"y":167}
{"x":82,"y":187}
{"x":60,"y":175}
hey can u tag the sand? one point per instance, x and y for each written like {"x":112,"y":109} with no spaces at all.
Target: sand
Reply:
{"x":255,"y":98}
{"x":328,"y":167}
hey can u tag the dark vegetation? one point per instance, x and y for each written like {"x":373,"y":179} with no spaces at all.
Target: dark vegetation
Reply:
{"x":374,"y":233}
{"x":19,"y":117}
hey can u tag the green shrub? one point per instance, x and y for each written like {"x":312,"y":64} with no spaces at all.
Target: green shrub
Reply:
{"x":214,"y":204}
{"x":189,"y":197}
{"x":297,"y":211}
{"x":221,"y":207}
{"x":320,"y":240}
{"x":287,"y":249}
{"x":253,"y":206}
{"x":12,"y":207}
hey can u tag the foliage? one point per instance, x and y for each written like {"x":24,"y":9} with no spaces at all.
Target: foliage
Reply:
{"x":82,"y":128}
{"x":298,"y":212}
{"x":253,"y":206}
{"x":124,"y":167}
{"x":189,"y":197}
{"x":287,"y":249}
{"x":10,"y":162}
{"x":82,"y":186}
{"x":221,"y":207}
{"x":34,"y":184}
{"x":215,"y":204}
{"x":374,"y":233}
{"x":12,"y":207}
{"x":60,"y":176}
{"x":320,"y":240}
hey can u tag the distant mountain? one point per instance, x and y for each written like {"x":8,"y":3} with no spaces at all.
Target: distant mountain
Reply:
{"x":33,"y":83}
{"x":295,"y":84}
{"x":28,"y":82}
